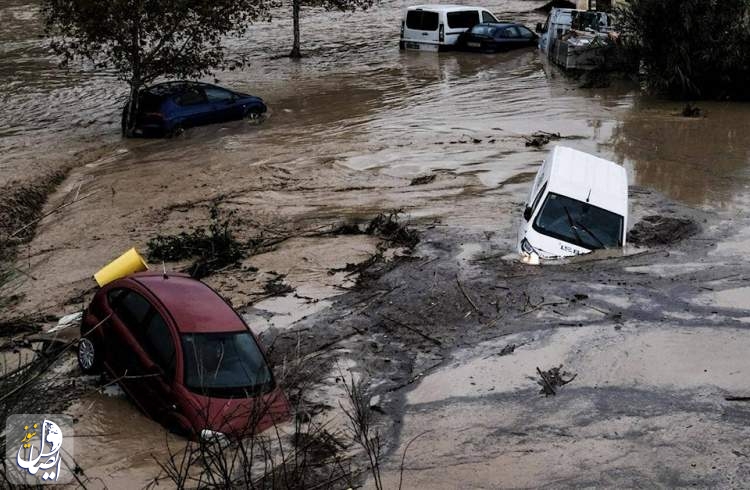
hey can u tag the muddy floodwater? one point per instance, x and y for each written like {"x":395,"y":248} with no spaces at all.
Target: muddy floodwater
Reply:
{"x":657,"y":337}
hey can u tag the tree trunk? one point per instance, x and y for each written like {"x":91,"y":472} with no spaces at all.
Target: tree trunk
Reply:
{"x":130,"y":111}
{"x":295,"y":18}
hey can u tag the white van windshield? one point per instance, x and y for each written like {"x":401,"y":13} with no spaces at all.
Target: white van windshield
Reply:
{"x":463,"y":19}
{"x":579,"y":223}
{"x":422,"y":20}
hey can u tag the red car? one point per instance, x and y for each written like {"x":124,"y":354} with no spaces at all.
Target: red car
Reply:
{"x":181,"y":352}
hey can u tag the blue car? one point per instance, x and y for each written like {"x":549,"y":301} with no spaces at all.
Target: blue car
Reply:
{"x":166,"y":109}
{"x":490,"y":37}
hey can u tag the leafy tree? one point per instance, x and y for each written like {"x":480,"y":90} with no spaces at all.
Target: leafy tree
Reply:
{"x":340,"y":5}
{"x":690,"y":48}
{"x":143,"y":40}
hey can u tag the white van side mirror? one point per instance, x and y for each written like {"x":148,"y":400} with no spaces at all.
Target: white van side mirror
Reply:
{"x":527,"y":213}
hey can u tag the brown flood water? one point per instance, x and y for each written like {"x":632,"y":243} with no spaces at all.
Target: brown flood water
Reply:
{"x":349,"y":126}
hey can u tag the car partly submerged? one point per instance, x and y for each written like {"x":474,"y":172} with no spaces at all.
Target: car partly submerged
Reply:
{"x":182,"y":354}
{"x":167,"y":109}
{"x":437,"y":27}
{"x":493,"y":37}
{"x":578,"y":203}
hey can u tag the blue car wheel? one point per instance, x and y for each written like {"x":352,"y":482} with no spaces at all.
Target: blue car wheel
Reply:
{"x":253,"y":112}
{"x":176,"y":130}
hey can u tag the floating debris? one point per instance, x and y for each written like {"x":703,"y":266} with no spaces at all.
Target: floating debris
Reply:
{"x":213,"y":249}
{"x":541,"y":138}
{"x":425,"y":179}
{"x":277,"y":286}
{"x":691,"y":111}
{"x":661,"y":230}
{"x":507,"y":350}
{"x":389,"y":227}
{"x":552,"y":379}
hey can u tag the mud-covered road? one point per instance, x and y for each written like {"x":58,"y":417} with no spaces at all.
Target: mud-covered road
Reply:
{"x":656,"y":338}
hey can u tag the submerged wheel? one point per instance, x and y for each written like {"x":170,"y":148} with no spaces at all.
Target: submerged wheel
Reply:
{"x":89,"y":356}
{"x":253,"y":113}
{"x":176,"y":131}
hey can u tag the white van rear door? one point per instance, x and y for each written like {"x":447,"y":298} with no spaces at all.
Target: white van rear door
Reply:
{"x":421,"y":26}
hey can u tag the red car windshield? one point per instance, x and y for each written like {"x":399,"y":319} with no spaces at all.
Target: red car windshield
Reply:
{"x":225,"y":365}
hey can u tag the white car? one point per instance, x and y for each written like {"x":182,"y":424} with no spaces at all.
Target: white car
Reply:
{"x":437,"y":27}
{"x":578,"y":203}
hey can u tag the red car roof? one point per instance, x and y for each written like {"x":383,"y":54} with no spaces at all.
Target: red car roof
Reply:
{"x":195,"y":307}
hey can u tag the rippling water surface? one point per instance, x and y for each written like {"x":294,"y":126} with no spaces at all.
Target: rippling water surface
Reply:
{"x":355,"y":102}
{"x":358,"y":100}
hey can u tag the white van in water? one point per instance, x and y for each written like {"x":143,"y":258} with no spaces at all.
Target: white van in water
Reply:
{"x":578,"y":203}
{"x":437,"y":27}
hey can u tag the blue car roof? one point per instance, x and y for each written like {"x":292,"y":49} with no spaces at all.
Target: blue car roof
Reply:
{"x":177,"y":86}
{"x":498,"y":24}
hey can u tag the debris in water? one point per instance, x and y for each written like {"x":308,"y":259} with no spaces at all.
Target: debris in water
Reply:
{"x":390,"y":228}
{"x":691,"y":111}
{"x":424,"y":179}
{"x":507,"y":350}
{"x":67,"y":321}
{"x":277,"y":286}
{"x":661,"y":230}
{"x":541,"y":138}
{"x":213,"y":249}
{"x":347,"y":229}
{"x":737,"y":398}
{"x":552,"y":379}
{"x":358,"y":267}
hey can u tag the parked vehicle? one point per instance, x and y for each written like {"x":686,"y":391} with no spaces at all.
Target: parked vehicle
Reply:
{"x":166,"y":109}
{"x":184,"y":356}
{"x":578,"y":203}
{"x":437,"y":27}
{"x":491,"y":38}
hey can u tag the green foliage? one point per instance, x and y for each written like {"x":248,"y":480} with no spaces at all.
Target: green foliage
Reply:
{"x":690,"y":49}
{"x":212,"y":249}
{"x":146,"y":39}
{"x":142,"y":40}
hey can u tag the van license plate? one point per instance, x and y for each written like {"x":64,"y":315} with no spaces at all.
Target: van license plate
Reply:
{"x":412,"y":45}
{"x":474,"y":45}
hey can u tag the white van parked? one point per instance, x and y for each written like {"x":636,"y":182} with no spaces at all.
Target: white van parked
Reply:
{"x":437,"y":27}
{"x":578,"y":203}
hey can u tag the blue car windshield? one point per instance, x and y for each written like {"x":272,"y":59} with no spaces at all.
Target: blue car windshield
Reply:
{"x":225,"y":364}
{"x":579,"y":223}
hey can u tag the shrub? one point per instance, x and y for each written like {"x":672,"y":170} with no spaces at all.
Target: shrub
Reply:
{"x":690,"y":49}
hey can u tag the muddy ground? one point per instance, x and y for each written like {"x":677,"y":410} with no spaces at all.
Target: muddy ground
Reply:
{"x":447,"y":335}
